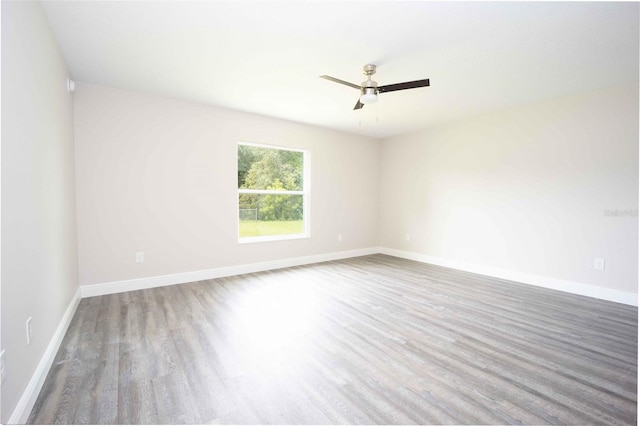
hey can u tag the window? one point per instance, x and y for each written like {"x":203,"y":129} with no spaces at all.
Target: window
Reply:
{"x":273,"y":193}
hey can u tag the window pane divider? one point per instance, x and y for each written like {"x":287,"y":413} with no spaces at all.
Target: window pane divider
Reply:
{"x":270,"y":191}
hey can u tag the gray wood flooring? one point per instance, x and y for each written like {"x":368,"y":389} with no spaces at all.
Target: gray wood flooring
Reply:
{"x":373,"y":340}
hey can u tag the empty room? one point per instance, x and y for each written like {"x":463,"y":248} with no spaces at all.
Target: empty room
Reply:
{"x":294,"y":212}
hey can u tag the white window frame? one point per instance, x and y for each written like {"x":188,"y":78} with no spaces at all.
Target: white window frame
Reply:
{"x":306,"y":190}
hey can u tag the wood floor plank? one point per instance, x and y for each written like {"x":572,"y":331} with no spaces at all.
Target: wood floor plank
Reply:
{"x":369,"y":340}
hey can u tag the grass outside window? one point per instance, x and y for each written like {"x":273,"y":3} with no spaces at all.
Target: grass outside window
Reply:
{"x":260,"y":228}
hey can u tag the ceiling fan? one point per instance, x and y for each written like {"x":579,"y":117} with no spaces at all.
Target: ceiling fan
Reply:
{"x":369,"y":89}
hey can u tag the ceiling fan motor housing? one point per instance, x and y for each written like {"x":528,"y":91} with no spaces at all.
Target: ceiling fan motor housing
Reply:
{"x":370,"y":90}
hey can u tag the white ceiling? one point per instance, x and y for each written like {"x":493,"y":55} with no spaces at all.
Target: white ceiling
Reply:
{"x":265,"y":56}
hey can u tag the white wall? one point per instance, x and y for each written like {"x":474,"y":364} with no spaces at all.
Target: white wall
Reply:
{"x":159,"y":176}
{"x":522,"y":190}
{"x":39,"y":252}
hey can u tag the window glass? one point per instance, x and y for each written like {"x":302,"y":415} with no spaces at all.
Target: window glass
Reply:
{"x":271,"y":193}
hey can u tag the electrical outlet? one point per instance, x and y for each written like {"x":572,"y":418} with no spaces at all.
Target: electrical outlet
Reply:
{"x":407,"y":237}
{"x":140,"y":257}
{"x":28,"y":331}
{"x":598,"y":264}
{"x":3,"y":369}
{"x":339,"y":237}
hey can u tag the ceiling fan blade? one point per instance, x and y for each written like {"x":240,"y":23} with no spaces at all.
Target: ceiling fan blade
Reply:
{"x":337,"y":80}
{"x":402,"y":86}
{"x":359,"y":105}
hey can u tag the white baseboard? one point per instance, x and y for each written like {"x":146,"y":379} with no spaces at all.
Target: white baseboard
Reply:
{"x":21,"y":413}
{"x":552,"y":283}
{"x":187,"y":277}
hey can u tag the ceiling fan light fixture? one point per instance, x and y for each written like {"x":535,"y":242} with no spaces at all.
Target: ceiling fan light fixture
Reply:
{"x":369,"y":96}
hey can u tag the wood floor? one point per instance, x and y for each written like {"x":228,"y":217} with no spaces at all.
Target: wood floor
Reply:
{"x":369,"y":340}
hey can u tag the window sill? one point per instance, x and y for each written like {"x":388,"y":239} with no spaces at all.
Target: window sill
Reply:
{"x":271,"y":238}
